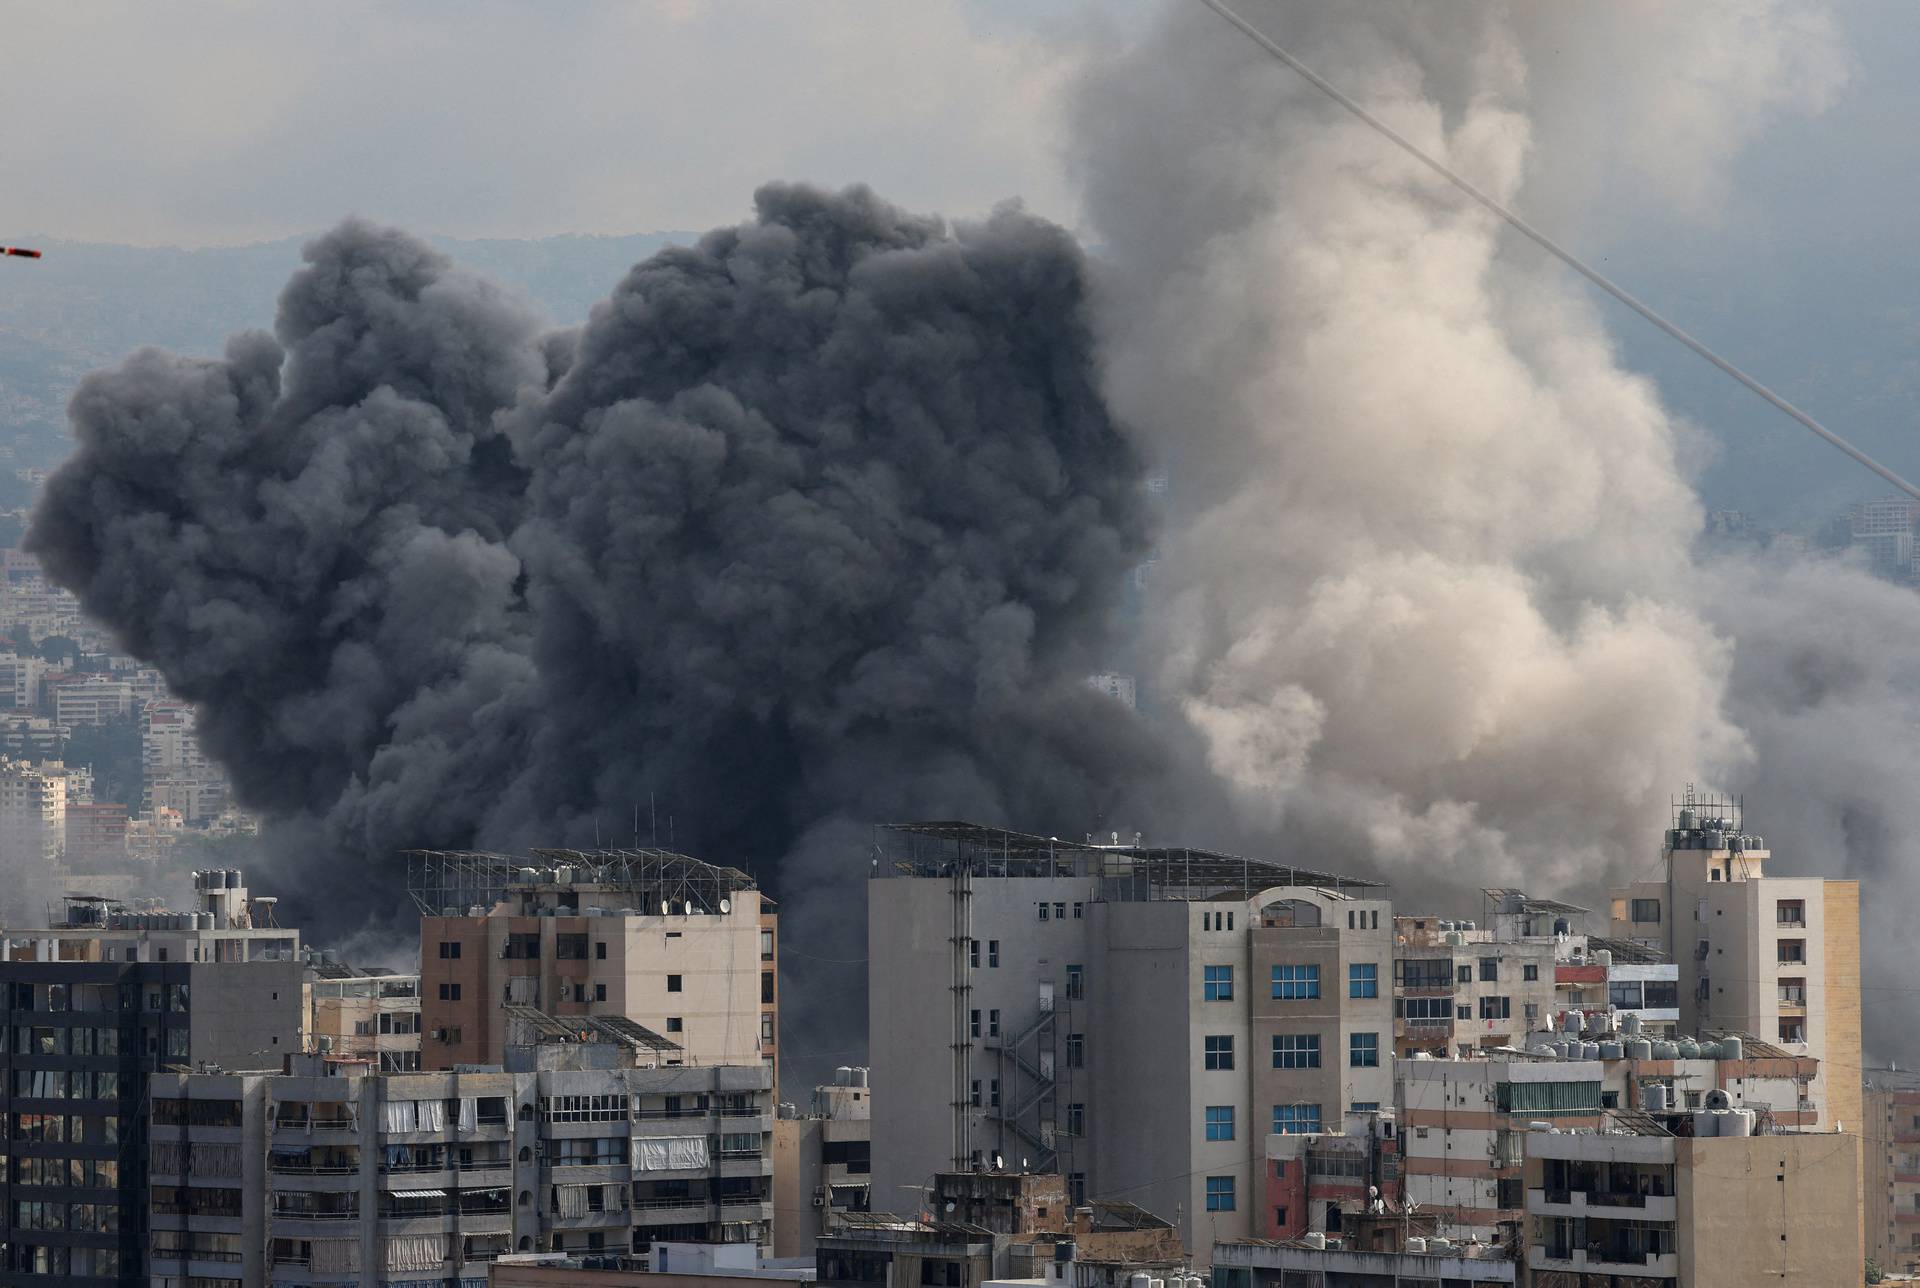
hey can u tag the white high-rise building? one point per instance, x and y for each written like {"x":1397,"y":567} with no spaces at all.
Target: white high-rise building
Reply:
{"x":1137,"y":1018}
{"x":33,"y":816}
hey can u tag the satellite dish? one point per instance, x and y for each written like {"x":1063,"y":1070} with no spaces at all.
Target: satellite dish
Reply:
{"x":688,"y":906}
{"x":666,"y":906}
{"x":726,"y":906}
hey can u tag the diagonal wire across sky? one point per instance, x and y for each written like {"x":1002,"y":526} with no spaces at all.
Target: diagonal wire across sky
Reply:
{"x":1552,"y":247}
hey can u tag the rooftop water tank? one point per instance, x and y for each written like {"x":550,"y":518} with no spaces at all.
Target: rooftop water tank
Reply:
{"x":1139,"y":1279}
{"x":1688,"y":820}
{"x":860,"y":1076}
{"x":1706,"y":1122}
{"x":1631,"y":1023}
{"x":1468,"y":925}
{"x":1665,"y":1051}
{"x":1638,"y":1049}
{"x":1455,"y":939}
{"x":1314,"y":1239}
{"x":1740,"y":1122}
{"x":1612,"y":1050}
{"x":1718,"y":1099}
{"x":1446,"y":927}
{"x":1440,"y":1245}
{"x":843,"y":1076}
{"x":1732,"y":1049}
{"x":1416,"y":1245}
{"x":1604,"y":956}
{"x":1571,"y":1022}
{"x":1653,"y":1097}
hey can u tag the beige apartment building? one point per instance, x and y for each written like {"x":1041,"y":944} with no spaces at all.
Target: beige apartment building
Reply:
{"x":1459,"y":988}
{"x":1773,"y":957}
{"x":823,"y":1163}
{"x":1136,"y":1018}
{"x":1635,"y":1203}
{"x":374,"y":1016}
{"x":684,"y":948}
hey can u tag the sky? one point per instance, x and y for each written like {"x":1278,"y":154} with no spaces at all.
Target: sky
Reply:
{"x":204,"y":123}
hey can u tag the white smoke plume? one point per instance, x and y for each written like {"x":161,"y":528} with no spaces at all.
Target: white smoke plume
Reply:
{"x":1429,"y":598}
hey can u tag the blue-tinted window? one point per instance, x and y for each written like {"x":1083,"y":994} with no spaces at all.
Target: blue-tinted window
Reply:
{"x":1296,"y":983}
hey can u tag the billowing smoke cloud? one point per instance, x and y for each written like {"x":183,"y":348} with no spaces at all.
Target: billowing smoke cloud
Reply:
{"x":1429,"y":598}
{"x":822,"y":519}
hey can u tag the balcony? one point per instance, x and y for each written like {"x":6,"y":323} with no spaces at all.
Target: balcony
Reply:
{"x":1603,"y":1205}
{"x":1602,"y":1260}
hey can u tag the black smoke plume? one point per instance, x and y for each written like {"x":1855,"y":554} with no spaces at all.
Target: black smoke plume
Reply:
{"x":820,"y":521}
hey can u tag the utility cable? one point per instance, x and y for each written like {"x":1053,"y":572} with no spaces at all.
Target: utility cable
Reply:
{"x":1553,"y":248}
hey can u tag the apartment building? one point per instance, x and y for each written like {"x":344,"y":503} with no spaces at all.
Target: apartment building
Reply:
{"x":584,"y":1141}
{"x":372,"y":1015}
{"x":1458,"y":988}
{"x":1891,"y":1149}
{"x":97,"y":1005}
{"x":1392,"y":1250}
{"x":1632,"y":1201}
{"x":1134,"y":1017}
{"x":20,"y":678}
{"x":1774,"y":957}
{"x":685,"y":948}
{"x":822,"y":1162}
{"x":96,"y":835}
{"x":33,"y":814}
{"x":84,"y":700}
{"x":1321,"y":1183}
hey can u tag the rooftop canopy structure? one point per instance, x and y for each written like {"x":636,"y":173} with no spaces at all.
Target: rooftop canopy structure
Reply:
{"x":1126,"y":872}
{"x":457,"y":882}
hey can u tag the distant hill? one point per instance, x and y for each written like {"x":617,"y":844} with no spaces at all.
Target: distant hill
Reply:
{"x":87,"y":305}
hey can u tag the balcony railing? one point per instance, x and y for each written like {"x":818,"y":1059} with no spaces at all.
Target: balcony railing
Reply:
{"x":1601,"y":1199}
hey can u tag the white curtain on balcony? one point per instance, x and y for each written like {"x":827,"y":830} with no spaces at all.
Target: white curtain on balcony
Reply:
{"x":668,"y":1153}
{"x":336,"y":1256}
{"x":469,"y":1113}
{"x":417,"y":1252}
{"x":416,"y":1115}
{"x":399,"y":1115}
{"x":570,"y":1200}
{"x":163,"y":1157}
{"x":432,"y":1114}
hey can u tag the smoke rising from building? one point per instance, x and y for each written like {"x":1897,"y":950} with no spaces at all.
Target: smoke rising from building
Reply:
{"x":822,"y":519}
{"x":1429,"y":596}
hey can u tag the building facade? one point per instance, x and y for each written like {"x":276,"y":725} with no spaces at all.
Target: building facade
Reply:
{"x":1135,"y":1018}
{"x":682,"y":947}
{"x":97,"y":1006}
{"x":1774,"y":957}
{"x":373,"y":1016}
{"x":822,"y":1162}
{"x":335,"y":1174}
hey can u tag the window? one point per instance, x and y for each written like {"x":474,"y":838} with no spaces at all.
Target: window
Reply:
{"x":1645,"y":911}
{"x":449,"y":992}
{"x":974,"y":1022}
{"x":993,"y":954}
{"x":993,"y":1093}
{"x":599,"y":992}
{"x":675,"y":1024}
{"x":1374,"y":920}
{"x":1229,"y":921}
{"x":1219,"y":1122}
{"x":1466,"y":1012}
{"x":1296,"y":1050}
{"x":1219,"y":1051}
{"x":766,"y":946}
{"x":570,"y":948}
{"x":1363,"y":979}
{"x":1219,"y":1194}
{"x":1079,"y":911}
{"x":1422,"y":972}
{"x":1791,"y":912}
{"x":1076,"y":1050}
{"x":449,"y":949}
{"x":1219,"y":983}
{"x":1045,"y":910}
{"x":1625,"y":995}
{"x":1060,"y":911}
{"x":1364,"y":1107}
{"x":1424,"y":1010}
{"x":766,"y":988}
{"x":673,"y":983}
{"x":1076,"y":983}
{"x":1463,"y":975}
{"x":1350,"y":917}
{"x":976,"y":1093}
{"x":600,"y":949}
{"x":1793,"y":992}
{"x":1496,"y":1008}
{"x":1295,"y":1120}
{"x":1793,"y":950}
{"x":1363,"y":1050}
{"x":1296,"y":983}
{"x":766,"y":1037}
{"x":1076,"y":1120}
{"x":993,"y":1023}
{"x":973,"y":953}
{"x":1489,"y":970}
{"x":1794,"y":1029}
{"x":1529,"y":972}
{"x":1077,"y":1188}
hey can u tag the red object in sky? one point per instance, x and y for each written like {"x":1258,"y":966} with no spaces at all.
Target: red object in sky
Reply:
{"x":21,"y":251}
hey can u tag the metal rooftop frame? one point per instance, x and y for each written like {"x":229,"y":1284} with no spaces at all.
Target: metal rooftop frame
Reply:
{"x":1500,"y":894}
{"x":455,"y":882}
{"x":1128,"y":872}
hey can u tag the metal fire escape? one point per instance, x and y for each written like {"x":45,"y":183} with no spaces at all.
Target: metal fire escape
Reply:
{"x":1032,"y":1113}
